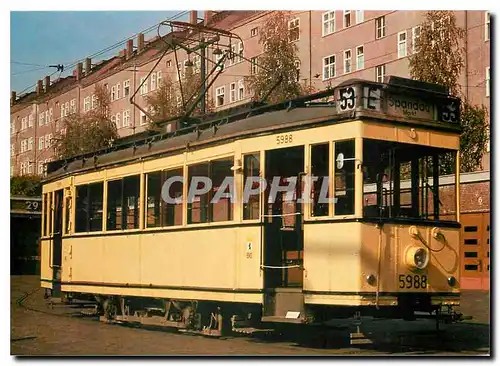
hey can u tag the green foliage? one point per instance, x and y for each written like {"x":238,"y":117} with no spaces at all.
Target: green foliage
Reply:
{"x":84,"y":133}
{"x":278,"y":61}
{"x":439,"y":58}
{"x":26,"y":185}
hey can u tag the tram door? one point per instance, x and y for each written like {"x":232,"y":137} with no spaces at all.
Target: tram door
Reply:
{"x":283,"y":232}
{"x":57,"y":238}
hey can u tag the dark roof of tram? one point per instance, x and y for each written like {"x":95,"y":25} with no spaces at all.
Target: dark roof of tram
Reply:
{"x":235,"y":123}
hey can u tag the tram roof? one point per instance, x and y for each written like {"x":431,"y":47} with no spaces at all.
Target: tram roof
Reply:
{"x":251,"y":120}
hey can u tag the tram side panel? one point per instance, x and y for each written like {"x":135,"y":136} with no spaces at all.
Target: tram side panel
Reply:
{"x":46,"y":273}
{"x":332,"y":263}
{"x":188,"y":264}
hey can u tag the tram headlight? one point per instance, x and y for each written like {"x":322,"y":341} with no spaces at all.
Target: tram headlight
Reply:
{"x":371,"y":279}
{"x":417,"y":257}
{"x":452,"y":281}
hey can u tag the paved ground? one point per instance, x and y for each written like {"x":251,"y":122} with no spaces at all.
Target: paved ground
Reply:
{"x":37,"y":329}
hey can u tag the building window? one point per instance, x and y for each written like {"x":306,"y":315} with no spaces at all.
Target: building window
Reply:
{"x":30,"y":144}
{"x":253,"y":67}
{"x":94,"y":101}
{"x":12,"y":149}
{"x":30,"y":120}
{"x":113,"y":93}
{"x":254,"y":31}
{"x":126,"y":88}
{"x":380,"y":27}
{"x":113,"y":119}
{"x":219,"y":96}
{"x":487,"y":81}
{"x":380,"y":73}
{"x":360,"y":16}
{"x":117,"y":120}
{"x":23,"y":145}
{"x":159,"y":76}
{"x":415,"y":32}
{"x":241,"y":90}
{"x":89,"y":200}
{"x":402,"y":44}
{"x":328,"y":22}
{"x":329,"y":67}
{"x":40,"y":143}
{"x":217,"y":59}
{"x":24,"y":123}
{"x":169,"y":63}
{"x":86,"y":104}
{"x":126,"y":118}
{"x":153,"y":81}
{"x":360,"y":58}
{"x":123,"y":203}
{"x":48,"y":140}
{"x":144,"y":118}
{"x":73,"y":106}
{"x":347,"y":18}
{"x":12,"y":127}
{"x":487,"y":26}
{"x":347,"y":61}
{"x":41,"y":119}
{"x":40,"y":168}
{"x":118,"y":90}
{"x":30,"y":167}
{"x":232,"y":92}
{"x":144,"y":86}
{"x":50,"y":116}
{"x":240,"y":52}
{"x":294,"y":30}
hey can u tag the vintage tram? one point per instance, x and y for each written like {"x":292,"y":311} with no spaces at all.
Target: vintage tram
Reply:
{"x":385,"y":242}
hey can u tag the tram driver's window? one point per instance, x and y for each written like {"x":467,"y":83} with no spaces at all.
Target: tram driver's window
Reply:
{"x":320,"y":184}
{"x":251,"y":170}
{"x":344,"y":177}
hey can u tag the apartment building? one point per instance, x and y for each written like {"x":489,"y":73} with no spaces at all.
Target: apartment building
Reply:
{"x":333,"y":46}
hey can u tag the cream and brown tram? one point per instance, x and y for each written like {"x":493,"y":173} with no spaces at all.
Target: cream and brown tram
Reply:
{"x":384,"y":244}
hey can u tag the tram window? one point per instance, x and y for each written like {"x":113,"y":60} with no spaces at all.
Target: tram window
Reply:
{"x":114,"y":205}
{"x":402,"y":180}
{"x":344,"y":177}
{"x":44,"y":226}
{"x":319,"y":169}
{"x":131,"y":189}
{"x":160,"y":212}
{"x":154,"y":202}
{"x":221,"y":207}
{"x":172,"y":212}
{"x":81,"y":218}
{"x":49,"y":213}
{"x":251,"y":168}
{"x":95,"y":192}
{"x":67,"y":221}
{"x":197,"y":209}
{"x":123,"y":203}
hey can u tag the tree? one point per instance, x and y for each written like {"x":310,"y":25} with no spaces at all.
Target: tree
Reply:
{"x":278,"y":61}
{"x":439,"y":58}
{"x":26,"y":185}
{"x":166,"y":102}
{"x":84,"y":133}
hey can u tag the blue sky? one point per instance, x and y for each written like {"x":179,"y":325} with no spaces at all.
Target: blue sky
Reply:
{"x":50,"y":37}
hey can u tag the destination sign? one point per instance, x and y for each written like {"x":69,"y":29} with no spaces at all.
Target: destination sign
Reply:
{"x":409,"y":107}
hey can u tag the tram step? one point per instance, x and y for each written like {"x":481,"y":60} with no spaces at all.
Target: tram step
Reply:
{"x":282,"y":319}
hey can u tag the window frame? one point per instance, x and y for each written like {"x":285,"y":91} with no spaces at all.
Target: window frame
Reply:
{"x":330,"y":21}
{"x":232,"y":92}
{"x":291,"y":29}
{"x":331,"y":67}
{"x":380,"y":25}
{"x":383,"y":68}
{"x":405,"y":42}
{"x":218,"y":94}
{"x":487,"y":27}
{"x":346,"y":12}
{"x":347,"y":59}
{"x":126,"y":88}
{"x":360,"y":16}
{"x":362,"y":56}
{"x":414,"y":37}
